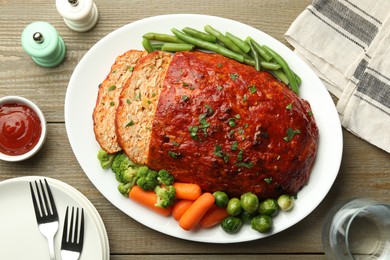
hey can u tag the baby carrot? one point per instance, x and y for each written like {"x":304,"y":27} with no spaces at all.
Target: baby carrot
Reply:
{"x":148,"y":199}
{"x":180,"y":207}
{"x":196,"y":211}
{"x":187,"y":191}
{"x":213,"y":217}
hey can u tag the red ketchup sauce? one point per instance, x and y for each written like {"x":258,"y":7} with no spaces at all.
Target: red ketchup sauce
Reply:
{"x":20,"y":129}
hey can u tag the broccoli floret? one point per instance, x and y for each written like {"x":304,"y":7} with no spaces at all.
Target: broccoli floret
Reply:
{"x":147,"y":180}
{"x":120,"y":166}
{"x":165,"y":196}
{"x":129,"y":179}
{"x":165,"y":178}
{"x":142,"y":171}
{"x":124,"y":189}
{"x":105,"y":158}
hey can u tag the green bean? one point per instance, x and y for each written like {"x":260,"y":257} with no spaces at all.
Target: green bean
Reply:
{"x":222,"y":38}
{"x":208,"y":45}
{"x":289,"y":73}
{"x":200,"y":35}
{"x":262,"y":52}
{"x":299,"y":80}
{"x":174,"y":47}
{"x":266,"y":65}
{"x":147,"y":46}
{"x":255,"y":56}
{"x":156,"y":46}
{"x":240,"y":43}
{"x":269,"y":65}
{"x":161,"y":37}
{"x":281,"y":76}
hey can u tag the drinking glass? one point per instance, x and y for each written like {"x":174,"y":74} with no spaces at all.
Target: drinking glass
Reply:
{"x":357,"y":229}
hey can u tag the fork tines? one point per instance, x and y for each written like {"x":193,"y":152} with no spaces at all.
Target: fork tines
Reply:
{"x":73,"y":236}
{"x":44,"y":206}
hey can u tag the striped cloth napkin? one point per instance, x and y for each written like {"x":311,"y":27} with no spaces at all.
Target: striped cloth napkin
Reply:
{"x":347,"y":43}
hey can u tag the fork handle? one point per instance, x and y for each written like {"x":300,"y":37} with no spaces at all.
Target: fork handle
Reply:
{"x":50,"y":241}
{"x":49,"y":230}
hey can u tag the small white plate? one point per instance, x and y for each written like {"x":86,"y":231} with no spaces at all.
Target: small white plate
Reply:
{"x":95,"y":65}
{"x":20,"y":237}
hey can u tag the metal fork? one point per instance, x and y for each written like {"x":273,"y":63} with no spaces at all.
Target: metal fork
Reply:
{"x":72,"y":237}
{"x":45,"y":212}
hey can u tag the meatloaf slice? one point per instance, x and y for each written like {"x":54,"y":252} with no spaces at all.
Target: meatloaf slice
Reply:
{"x":230,"y":128}
{"x":137,"y":105}
{"x":108,"y":97}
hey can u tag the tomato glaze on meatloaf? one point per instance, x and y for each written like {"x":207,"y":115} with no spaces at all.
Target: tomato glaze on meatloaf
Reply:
{"x":228,"y":127}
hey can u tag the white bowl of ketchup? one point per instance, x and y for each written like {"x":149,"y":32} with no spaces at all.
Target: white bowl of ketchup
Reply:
{"x":22,"y":128}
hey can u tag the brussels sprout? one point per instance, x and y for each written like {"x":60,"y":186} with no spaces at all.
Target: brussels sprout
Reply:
{"x":249,"y":202}
{"x":231,"y":224}
{"x":269,"y":207}
{"x":221,"y":199}
{"x":247,"y":217}
{"x":262,"y":223}
{"x":286,"y":202}
{"x":234,"y":207}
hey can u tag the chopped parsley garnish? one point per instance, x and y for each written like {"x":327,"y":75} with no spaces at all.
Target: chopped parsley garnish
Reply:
{"x":219,"y":87}
{"x":239,"y":156}
{"x":218,"y":151}
{"x":231,"y":132}
{"x":245,"y":164}
{"x":130,"y":68}
{"x":193,"y":131}
{"x":174,"y":154}
{"x":130,"y":123}
{"x":232,"y":122}
{"x":128,"y":101}
{"x":111,"y":88}
{"x":203,"y":124}
{"x":112,"y":103}
{"x":268,"y":180}
{"x":184,"y":97}
{"x":209,"y":111}
{"x":233,"y":76}
{"x":234,"y":145}
{"x":137,"y":96}
{"x":252,"y":89}
{"x":289,"y":106}
{"x":290,"y":134}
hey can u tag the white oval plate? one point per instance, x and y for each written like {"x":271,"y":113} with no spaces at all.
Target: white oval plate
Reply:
{"x":95,"y":65}
{"x":19,"y":229}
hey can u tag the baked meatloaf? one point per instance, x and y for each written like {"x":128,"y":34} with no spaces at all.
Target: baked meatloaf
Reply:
{"x":137,"y":105}
{"x":218,"y":123}
{"x":230,"y":128}
{"x":107,"y":101}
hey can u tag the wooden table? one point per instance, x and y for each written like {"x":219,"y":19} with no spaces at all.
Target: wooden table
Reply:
{"x":364,"y":170}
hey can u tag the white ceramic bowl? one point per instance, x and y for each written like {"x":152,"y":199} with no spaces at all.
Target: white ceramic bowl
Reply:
{"x":42,"y":138}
